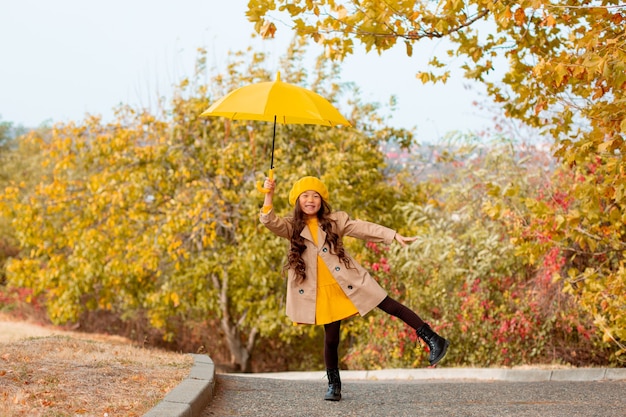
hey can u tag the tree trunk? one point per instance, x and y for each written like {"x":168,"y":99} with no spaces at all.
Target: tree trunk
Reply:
{"x":240,"y":353}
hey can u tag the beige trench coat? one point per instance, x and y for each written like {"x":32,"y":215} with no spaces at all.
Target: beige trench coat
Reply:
{"x":364,"y":292}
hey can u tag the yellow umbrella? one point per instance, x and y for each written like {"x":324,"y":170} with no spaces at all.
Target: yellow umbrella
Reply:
{"x":278,"y":102}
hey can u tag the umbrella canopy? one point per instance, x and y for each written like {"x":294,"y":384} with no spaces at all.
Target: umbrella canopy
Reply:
{"x":278,"y":102}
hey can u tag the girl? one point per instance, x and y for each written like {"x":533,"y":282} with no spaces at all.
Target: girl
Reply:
{"x":326,"y":285}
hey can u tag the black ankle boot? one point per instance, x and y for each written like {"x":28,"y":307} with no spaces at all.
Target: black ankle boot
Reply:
{"x":438,"y":345}
{"x":334,"y":385}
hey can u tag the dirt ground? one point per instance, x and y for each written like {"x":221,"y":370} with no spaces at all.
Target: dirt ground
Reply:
{"x":15,"y":330}
{"x":47,"y":371}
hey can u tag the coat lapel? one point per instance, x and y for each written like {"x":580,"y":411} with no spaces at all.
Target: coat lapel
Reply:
{"x":306,"y":233}
{"x":321,"y":235}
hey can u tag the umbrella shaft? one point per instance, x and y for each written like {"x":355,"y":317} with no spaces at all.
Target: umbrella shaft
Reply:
{"x":273,"y":141}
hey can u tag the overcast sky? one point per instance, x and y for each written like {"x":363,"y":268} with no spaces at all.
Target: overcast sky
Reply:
{"x":63,"y":59}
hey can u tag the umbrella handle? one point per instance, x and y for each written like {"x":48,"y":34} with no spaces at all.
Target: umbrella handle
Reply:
{"x":258,"y":183}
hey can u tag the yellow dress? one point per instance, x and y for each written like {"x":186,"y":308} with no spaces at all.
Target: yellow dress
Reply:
{"x":332,"y":303}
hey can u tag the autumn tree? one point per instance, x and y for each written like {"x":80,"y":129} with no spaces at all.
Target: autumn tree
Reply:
{"x":20,"y":163}
{"x":156,"y":215}
{"x":566,"y":61}
{"x":5,"y":251}
{"x":464,"y":274}
{"x":557,"y":66}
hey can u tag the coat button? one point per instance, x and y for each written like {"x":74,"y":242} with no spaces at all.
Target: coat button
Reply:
{"x":349,"y":287}
{"x":301,"y":291}
{"x":337,"y":268}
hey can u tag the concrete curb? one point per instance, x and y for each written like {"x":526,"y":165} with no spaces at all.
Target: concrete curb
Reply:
{"x":462,"y":374}
{"x":192,"y":395}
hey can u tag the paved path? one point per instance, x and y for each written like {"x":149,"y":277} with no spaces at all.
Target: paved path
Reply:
{"x":271,"y":397}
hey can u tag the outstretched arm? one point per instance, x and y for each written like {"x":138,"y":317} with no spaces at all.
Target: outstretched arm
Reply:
{"x":369,"y":231}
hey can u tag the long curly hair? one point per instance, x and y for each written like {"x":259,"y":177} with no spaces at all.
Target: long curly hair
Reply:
{"x":297,"y":246}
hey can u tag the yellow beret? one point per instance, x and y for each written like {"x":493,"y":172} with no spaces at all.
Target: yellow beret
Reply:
{"x":307,"y":184}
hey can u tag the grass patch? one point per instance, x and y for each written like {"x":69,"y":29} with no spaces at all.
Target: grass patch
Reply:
{"x":80,"y":376}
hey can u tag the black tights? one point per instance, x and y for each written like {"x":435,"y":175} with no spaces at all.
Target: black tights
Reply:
{"x":331,"y":344}
{"x":388,"y":305}
{"x":391,"y":306}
